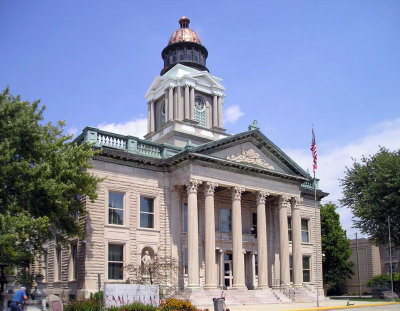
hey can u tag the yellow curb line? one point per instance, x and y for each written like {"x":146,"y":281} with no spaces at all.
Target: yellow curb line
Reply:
{"x":346,"y":307}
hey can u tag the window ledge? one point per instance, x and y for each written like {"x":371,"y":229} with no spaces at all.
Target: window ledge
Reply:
{"x":122,"y":227}
{"x":307,"y":243}
{"x":148,"y":229}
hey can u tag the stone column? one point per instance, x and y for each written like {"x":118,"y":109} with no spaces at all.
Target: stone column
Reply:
{"x":262,"y":241}
{"x":215,"y":111}
{"x":179,"y":103}
{"x":220,"y":119}
{"x":284,"y":239}
{"x":211,"y":273}
{"x":152,"y":116}
{"x":221,"y":268}
{"x":191,"y":103}
{"x":237,"y":241}
{"x":193,"y":233}
{"x":166,"y":105}
{"x":187,"y":104}
{"x":171,"y":103}
{"x":296,"y":243}
{"x":148,"y":117}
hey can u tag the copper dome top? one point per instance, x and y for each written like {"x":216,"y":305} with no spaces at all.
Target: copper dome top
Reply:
{"x":184,"y":34}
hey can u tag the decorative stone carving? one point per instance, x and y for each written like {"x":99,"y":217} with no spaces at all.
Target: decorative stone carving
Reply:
{"x":295,"y":202}
{"x":210,"y":188}
{"x":192,"y":184}
{"x":261,"y":196}
{"x":252,"y":157}
{"x":237,"y":192}
{"x":284,"y":201}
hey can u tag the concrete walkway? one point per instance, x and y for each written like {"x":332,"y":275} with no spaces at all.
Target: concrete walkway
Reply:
{"x":324,"y":305}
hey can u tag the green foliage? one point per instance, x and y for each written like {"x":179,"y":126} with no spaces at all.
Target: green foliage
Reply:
{"x":336,"y":248}
{"x":134,"y":307}
{"x":42,"y":180}
{"x":371,"y":188}
{"x":97,"y":295}
{"x":176,"y":304}
{"x":82,"y":305}
{"x":381,"y":279}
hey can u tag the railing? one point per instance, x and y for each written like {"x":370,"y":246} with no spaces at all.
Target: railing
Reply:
{"x":288,"y":292}
{"x":310,"y":184}
{"x":129,"y":144}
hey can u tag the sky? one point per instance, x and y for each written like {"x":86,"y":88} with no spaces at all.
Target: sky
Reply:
{"x":290,"y":65}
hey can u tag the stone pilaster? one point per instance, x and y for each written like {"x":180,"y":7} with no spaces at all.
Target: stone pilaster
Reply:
{"x":262,"y":241}
{"x":171,"y":103}
{"x":166,"y":105}
{"x":220,"y":113}
{"x":237,"y":240}
{"x":187,"y":102}
{"x":296,"y":243}
{"x":215,"y":111}
{"x":211,"y":273}
{"x":193,"y":233}
{"x":284,"y":240}
{"x":191,"y":103}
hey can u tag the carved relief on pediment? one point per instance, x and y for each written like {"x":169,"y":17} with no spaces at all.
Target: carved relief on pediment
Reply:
{"x":252,"y":157}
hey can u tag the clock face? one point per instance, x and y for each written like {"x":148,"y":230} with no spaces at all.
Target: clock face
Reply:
{"x":199,"y":104}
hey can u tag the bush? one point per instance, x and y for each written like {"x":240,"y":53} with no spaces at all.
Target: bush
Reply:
{"x":380,"y":279}
{"x":137,"y":306}
{"x":82,"y":305}
{"x":177,"y":304}
{"x":97,"y":295}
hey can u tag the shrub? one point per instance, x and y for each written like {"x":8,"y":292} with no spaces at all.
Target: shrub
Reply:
{"x":137,"y":306}
{"x":176,"y":304}
{"x":97,"y":295}
{"x":82,"y":305}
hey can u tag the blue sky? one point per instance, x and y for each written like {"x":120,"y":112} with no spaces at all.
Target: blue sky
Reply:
{"x":288,"y":64}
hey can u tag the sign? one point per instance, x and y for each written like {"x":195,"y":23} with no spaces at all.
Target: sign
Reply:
{"x":116,"y":295}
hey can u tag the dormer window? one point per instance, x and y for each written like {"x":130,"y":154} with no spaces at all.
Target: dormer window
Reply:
{"x":200,"y":111}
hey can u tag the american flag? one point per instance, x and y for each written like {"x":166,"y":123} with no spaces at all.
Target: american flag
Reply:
{"x":314,"y":151}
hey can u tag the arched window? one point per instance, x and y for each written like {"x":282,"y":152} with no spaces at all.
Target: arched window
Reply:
{"x":162,"y":114}
{"x":200,"y":111}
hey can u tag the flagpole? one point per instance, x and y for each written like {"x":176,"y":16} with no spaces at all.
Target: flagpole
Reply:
{"x":316,"y":239}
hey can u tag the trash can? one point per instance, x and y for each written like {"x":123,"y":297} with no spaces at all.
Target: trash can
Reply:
{"x":219,"y":304}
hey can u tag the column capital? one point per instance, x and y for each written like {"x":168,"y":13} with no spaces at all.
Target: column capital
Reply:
{"x":192,"y":184}
{"x":237,"y":192}
{"x":295,"y":202}
{"x":209,"y":188}
{"x":284,"y":201}
{"x":261,"y":196}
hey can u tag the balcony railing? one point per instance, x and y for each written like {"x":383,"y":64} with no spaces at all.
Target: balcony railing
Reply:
{"x":127,"y":143}
{"x":310,"y":184}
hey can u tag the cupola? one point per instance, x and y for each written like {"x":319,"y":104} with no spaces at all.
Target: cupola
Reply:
{"x":184,"y":47}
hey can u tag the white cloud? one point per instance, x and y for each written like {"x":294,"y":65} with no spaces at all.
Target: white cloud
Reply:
{"x":333,"y":160}
{"x":137,"y":127}
{"x":72,"y":131}
{"x":232,"y":114}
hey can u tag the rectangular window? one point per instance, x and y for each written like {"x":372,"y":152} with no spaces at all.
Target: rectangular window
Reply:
{"x":74,"y":257}
{"x":58,"y":258}
{"x":115,"y":208}
{"x":306,"y":269}
{"x":181,"y":57}
{"x":115,"y":261}
{"x":146,"y":212}
{"x":185,"y":217}
{"x":185,"y":263}
{"x":45,"y":261}
{"x":305,"y":238}
{"x":254,"y":227}
{"x":256,"y":264}
{"x":291,"y":267}
{"x":289,"y":225}
{"x":225,"y":220}
{"x":189,"y":54}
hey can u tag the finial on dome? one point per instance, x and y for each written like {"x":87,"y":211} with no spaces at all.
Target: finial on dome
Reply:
{"x":184,"y":22}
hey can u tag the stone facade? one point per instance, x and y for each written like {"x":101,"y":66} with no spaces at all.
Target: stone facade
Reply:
{"x":234,"y":210}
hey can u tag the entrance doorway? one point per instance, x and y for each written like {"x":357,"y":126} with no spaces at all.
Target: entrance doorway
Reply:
{"x":228,"y":275}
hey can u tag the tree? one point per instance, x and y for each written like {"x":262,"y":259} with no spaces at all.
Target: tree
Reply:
{"x":43,"y":179}
{"x":371,"y":189}
{"x":336,"y":249}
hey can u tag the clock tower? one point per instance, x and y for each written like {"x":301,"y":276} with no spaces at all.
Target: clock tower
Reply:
{"x":185,"y":102}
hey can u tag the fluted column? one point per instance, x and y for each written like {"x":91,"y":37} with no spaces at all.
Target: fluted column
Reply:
{"x":171,"y":103}
{"x":193,"y":233}
{"x":220,"y":119}
{"x":296,"y":243}
{"x":179,"y":103}
{"x":187,"y":104}
{"x":148,"y":117}
{"x":152,"y":121}
{"x":215,"y":111}
{"x":284,"y":239}
{"x":237,"y":240}
{"x":191,"y":103}
{"x":211,"y":273}
{"x":262,"y":241}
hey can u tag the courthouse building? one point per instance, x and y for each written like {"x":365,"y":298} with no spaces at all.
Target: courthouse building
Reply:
{"x":233,"y":209}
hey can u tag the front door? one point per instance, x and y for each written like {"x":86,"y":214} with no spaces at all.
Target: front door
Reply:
{"x":228,"y":276}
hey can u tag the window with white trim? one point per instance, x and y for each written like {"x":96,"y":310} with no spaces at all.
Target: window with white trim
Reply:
{"x":289,"y":225}
{"x":115,"y":208}
{"x":306,"y":269}
{"x":74,"y":258}
{"x":58,"y":259}
{"x":115,"y":261}
{"x":305,"y":236}
{"x":146,"y":212}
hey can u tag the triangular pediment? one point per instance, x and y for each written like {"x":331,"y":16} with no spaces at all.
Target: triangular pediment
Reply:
{"x":252,"y":149}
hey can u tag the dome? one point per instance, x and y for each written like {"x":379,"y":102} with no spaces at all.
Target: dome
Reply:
{"x":184,"y":34}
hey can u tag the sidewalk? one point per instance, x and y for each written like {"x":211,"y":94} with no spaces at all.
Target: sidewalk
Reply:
{"x":324,"y":305}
